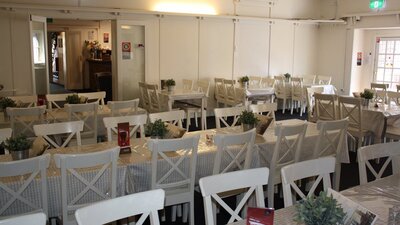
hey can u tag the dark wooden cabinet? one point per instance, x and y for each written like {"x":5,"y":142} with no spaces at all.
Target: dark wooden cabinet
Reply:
{"x":95,"y":66}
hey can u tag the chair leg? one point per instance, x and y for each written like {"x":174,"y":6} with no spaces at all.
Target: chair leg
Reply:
{"x":284,"y":106}
{"x":179,"y":210}
{"x":187,"y":120}
{"x":185,"y":212}
{"x":336,"y":176}
{"x":195,"y":119}
{"x":271,"y":196}
{"x":173,"y":213}
{"x":291,"y":108}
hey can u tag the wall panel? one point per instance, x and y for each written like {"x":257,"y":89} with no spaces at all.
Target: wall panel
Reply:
{"x":281,"y":60}
{"x":305,"y":50}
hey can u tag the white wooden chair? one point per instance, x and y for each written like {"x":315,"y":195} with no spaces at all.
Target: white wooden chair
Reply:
{"x":254,"y":81}
{"x":282,"y":91}
{"x":23,"y":119}
{"x":33,"y":218}
{"x":286,"y":151}
{"x":57,"y":100}
{"x":393,"y":96}
{"x":320,"y":168}
{"x":267,"y":82}
{"x":136,"y":122}
{"x":309,"y":80}
{"x":311,"y":113}
{"x":71,"y":166}
{"x":203,"y":86}
{"x":220,"y":91}
{"x":177,"y":175}
{"x":144,"y":96}
{"x":72,"y":129}
{"x":230,"y":93}
{"x":392,"y":132}
{"x":172,"y":117}
{"x":252,"y":180}
{"x":187,"y":84}
{"x":298,"y":95}
{"x":123,"y":108}
{"x":25,"y":101}
{"x":389,"y":152}
{"x":221,"y":115}
{"x":5,"y":133}
{"x":325,"y":106}
{"x":88,"y":114}
{"x":157,"y":102}
{"x":379,"y":86}
{"x":29,"y":171}
{"x":324,"y":80}
{"x":234,"y":151}
{"x":146,"y":204}
{"x":268,"y":108}
{"x":94,"y":96}
{"x":331,"y":142}
{"x":351,"y":107}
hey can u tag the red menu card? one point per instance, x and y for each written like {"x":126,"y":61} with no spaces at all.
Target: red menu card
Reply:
{"x":260,"y":216}
{"x":124,"y":138}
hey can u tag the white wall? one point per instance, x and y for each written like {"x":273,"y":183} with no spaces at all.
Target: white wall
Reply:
{"x":357,"y":72}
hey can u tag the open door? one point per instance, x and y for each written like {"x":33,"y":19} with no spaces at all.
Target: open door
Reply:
{"x":38,"y":32}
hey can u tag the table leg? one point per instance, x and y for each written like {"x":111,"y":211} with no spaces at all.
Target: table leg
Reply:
{"x":170,"y":102}
{"x":203,"y":113}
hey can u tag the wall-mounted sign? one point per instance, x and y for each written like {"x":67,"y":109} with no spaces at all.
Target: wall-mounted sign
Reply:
{"x":106,"y":37}
{"x":126,"y":50}
{"x":377,"y":4}
{"x":359,"y":58}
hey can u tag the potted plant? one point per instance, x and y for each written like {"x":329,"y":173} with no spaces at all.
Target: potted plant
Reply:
{"x":248,"y":120}
{"x":244,"y":81}
{"x":18,"y":147}
{"x":367,"y":95}
{"x":75,"y":99}
{"x":4,"y":103}
{"x":321,"y":210}
{"x":170,"y":84}
{"x":158,"y":129}
{"x":287,"y":76}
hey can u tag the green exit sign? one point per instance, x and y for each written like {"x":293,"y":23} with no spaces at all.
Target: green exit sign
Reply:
{"x":377,"y":4}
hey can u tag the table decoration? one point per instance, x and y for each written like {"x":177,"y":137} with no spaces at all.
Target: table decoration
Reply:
{"x":366,"y":96}
{"x":18,"y":147}
{"x":156,"y":130}
{"x":75,"y":99}
{"x":4,"y":103}
{"x":170,"y":84}
{"x":124,"y":138}
{"x":287,"y":76}
{"x":248,"y":120}
{"x":244,"y":81}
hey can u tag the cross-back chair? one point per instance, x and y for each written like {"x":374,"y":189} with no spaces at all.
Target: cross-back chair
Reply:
{"x":286,"y":151}
{"x":88,"y":114}
{"x":268,"y":108}
{"x":222,"y":114}
{"x":29,"y":172}
{"x":123,"y":108}
{"x":25,"y":101}
{"x":220,"y":91}
{"x":325,"y":106}
{"x":176,"y":174}
{"x":320,"y":168}
{"x":98,"y":96}
{"x":379,"y":86}
{"x":204,"y":87}
{"x":57,"y":101}
{"x":157,"y":101}
{"x":230,"y":93}
{"x":351,"y":108}
{"x":282,"y":91}
{"x":389,"y":152}
{"x":309,"y":80}
{"x":146,"y":204}
{"x":136,"y":123}
{"x":101,"y":186}
{"x":393,"y":96}
{"x":23,"y":119}
{"x":5,"y":133}
{"x":187,"y":84}
{"x":32,"y":218}
{"x":298,"y":95}
{"x":144,"y":96}
{"x":311,"y":112}
{"x":70,"y":129}
{"x":332,"y":142}
{"x":254,"y":81}
{"x":252,"y":180}
{"x":324,"y":80}
{"x":172,"y":117}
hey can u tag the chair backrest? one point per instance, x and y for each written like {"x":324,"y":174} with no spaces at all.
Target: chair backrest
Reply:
{"x":204,"y":86}
{"x":154,"y":98}
{"x":331,"y":138}
{"x":324,"y":80}
{"x":136,"y":122}
{"x":309,"y":79}
{"x":221,"y":114}
{"x":123,"y":108}
{"x":351,"y":107}
{"x":234,"y":151}
{"x":126,"y":206}
{"x":25,"y":101}
{"x":325,"y":105}
{"x":33,"y":218}
{"x":178,"y":170}
{"x":251,"y":179}
{"x":280,"y":86}
{"x":378,"y":151}
{"x":102,"y":185}
{"x":23,"y":119}
{"x":378,"y":86}
{"x":380,"y":96}
{"x":297,"y":87}
{"x":268,"y":108}
{"x":86,"y":113}
{"x":311,"y":101}
{"x":98,"y":96}
{"x":144,"y":96}
{"x":72,"y":128}
{"x":27,"y":170}
{"x":172,"y":117}
{"x":267,"y":82}
{"x":254,"y":81}
{"x":187,"y":84}
{"x":57,"y":100}
{"x":320,"y":168}
{"x":230,"y":90}
{"x":219,"y":89}
{"x":393,"y":96}
{"x":5,"y":133}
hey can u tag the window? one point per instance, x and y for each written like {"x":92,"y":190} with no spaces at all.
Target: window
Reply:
{"x":38,"y":47}
{"x":388,"y":62}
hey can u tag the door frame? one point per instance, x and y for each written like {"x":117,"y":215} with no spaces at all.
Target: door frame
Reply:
{"x":40,"y":19}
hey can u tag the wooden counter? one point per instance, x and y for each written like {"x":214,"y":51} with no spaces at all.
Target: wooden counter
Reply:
{"x":95,"y":66}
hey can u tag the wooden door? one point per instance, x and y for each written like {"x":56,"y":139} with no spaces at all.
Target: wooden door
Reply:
{"x":73,"y":45}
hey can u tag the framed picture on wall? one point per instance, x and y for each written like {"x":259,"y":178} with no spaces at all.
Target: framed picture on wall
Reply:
{"x":106,"y":37}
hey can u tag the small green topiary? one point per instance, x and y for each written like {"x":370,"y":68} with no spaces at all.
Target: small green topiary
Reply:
{"x":321,"y":210}
{"x":73,"y":99}
{"x":170,"y":82}
{"x":6,"y":102}
{"x":286,"y":75}
{"x":367,"y":94}
{"x":156,"y":129}
{"x":19,"y":143}
{"x":247,"y":117}
{"x":244,"y":79}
